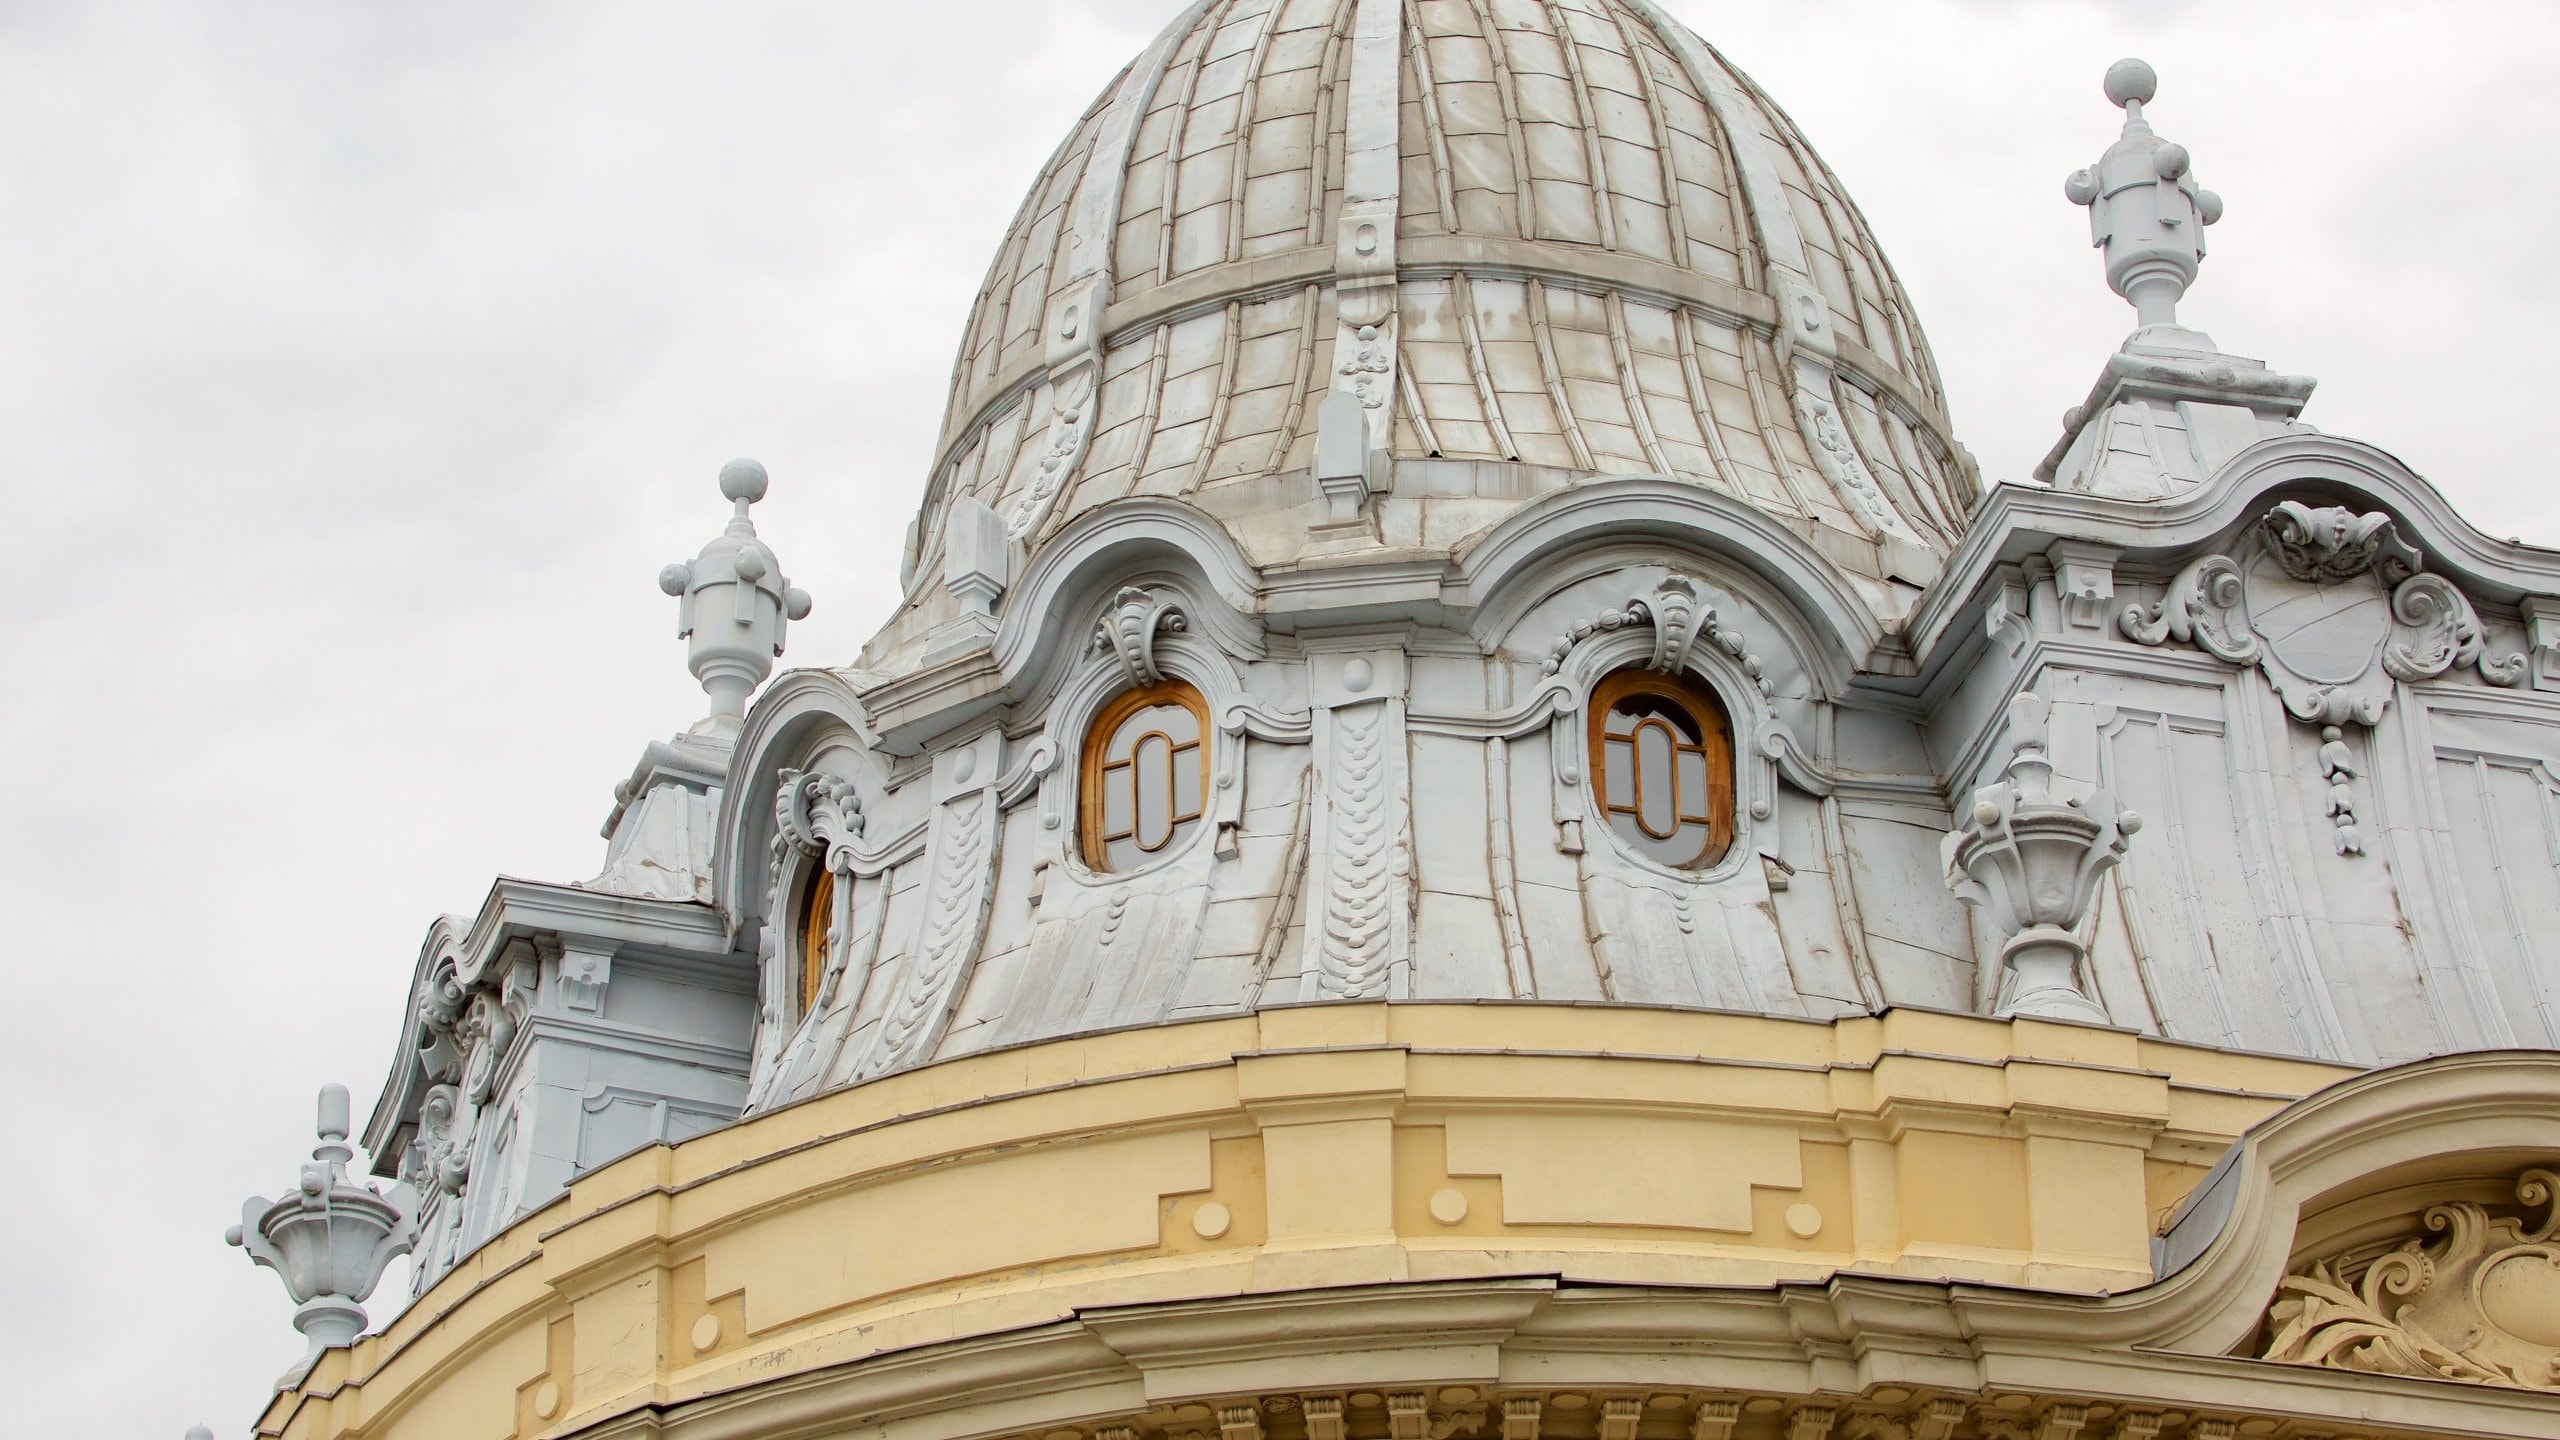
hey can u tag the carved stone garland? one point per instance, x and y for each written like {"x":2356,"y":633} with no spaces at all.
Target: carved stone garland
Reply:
{"x":1357,"y":941}
{"x":958,"y":871}
{"x":2333,"y":607}
{"x":2479,"y":1302}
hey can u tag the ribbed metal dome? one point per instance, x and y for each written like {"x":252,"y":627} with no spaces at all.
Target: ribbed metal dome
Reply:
{"x":1609,"y":254}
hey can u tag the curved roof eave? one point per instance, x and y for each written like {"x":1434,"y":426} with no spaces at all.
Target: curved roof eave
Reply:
{"x":2016,"y":521}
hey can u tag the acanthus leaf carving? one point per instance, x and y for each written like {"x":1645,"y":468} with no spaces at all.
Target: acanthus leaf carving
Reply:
{"x":2477,"y":1302}
{"x":2335,"y":543}
{"x":1128,"y":629}
{"x":467,"y":1024}
{"x":1677,"y":616}
{"x":817,"y":816}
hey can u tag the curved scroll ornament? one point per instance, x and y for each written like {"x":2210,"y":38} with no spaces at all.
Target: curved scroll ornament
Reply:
{"x":1129,"y":629}
{"x":2203,"y":609}
{"x":1681,"y":621}
{"x":817,"y":816}
{"x":2436,"y":630}
{"x":816,"y":813}
{"x":2333,"y":607}
{"x":2479,"y":1302}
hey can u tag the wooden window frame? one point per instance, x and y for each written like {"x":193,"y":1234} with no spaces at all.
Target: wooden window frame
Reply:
{"x":1093,"y":844}
{"x":1715,"y":730}
{"x":817,"y":912}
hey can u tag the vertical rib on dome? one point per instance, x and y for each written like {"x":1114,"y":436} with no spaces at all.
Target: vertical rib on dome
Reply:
{"x":1611,"y":254}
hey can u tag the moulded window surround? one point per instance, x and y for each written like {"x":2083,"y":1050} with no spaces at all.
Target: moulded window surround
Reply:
{"x":1662,"y":768}
{"x":1144,"y":785}
{"x":817,"y":910}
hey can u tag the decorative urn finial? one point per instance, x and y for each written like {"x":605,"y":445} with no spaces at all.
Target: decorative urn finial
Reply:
{"x":2145,"y":208}
{"x":734,"y":603}
{"x":330,"y":1238}
{"x":2033,"y":864}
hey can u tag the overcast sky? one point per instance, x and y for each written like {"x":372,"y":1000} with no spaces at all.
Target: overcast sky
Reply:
{"x":360,"y":364}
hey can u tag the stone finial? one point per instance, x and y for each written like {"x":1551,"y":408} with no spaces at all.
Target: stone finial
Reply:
{"x":2145,"y":208}
{"x":2032,"y":863}
{"x":734,"y":604}
{"x":330,"y":1238}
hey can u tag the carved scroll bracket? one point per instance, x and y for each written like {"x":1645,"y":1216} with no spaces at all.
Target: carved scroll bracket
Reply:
{"x":1129,"y":629}
{"x":816,"y":813}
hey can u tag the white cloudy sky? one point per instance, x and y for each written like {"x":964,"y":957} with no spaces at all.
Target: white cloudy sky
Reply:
{"x":360,"y":364}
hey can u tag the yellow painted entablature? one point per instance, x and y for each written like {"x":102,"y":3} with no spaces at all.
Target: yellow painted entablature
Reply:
{"x":1303,"y":1148}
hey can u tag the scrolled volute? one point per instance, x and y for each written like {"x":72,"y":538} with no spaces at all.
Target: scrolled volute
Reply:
{"x":2477,"y":1299}
{"x":1128,"y":630}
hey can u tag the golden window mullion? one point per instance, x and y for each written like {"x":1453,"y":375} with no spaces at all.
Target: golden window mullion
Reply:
{"x":1645,"y":702}
{"x":817,"y":915}
{"x":1104,"y":764}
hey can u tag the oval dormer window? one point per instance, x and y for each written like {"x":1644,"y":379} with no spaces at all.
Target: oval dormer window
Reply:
{"x":817,"y":914}
{"x":1145,"y":781}
{"x":1662,"y":768}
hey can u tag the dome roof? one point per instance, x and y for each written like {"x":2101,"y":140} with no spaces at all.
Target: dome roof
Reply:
{"x":1544,"y":239}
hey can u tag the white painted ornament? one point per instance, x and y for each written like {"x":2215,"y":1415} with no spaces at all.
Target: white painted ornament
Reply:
{"x":734,"y":604}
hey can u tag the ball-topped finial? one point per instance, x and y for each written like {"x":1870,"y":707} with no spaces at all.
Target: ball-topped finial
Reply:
{"x":736,"y":636}
{"x":2131,"y":82}
{"x":2146,"y":210}
{"x":743,"y":479}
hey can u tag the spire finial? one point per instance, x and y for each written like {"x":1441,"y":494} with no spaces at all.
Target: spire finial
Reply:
{"x":2130,"y":84}
{"x":2145,"y":208}
{"x":737,"y":635}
